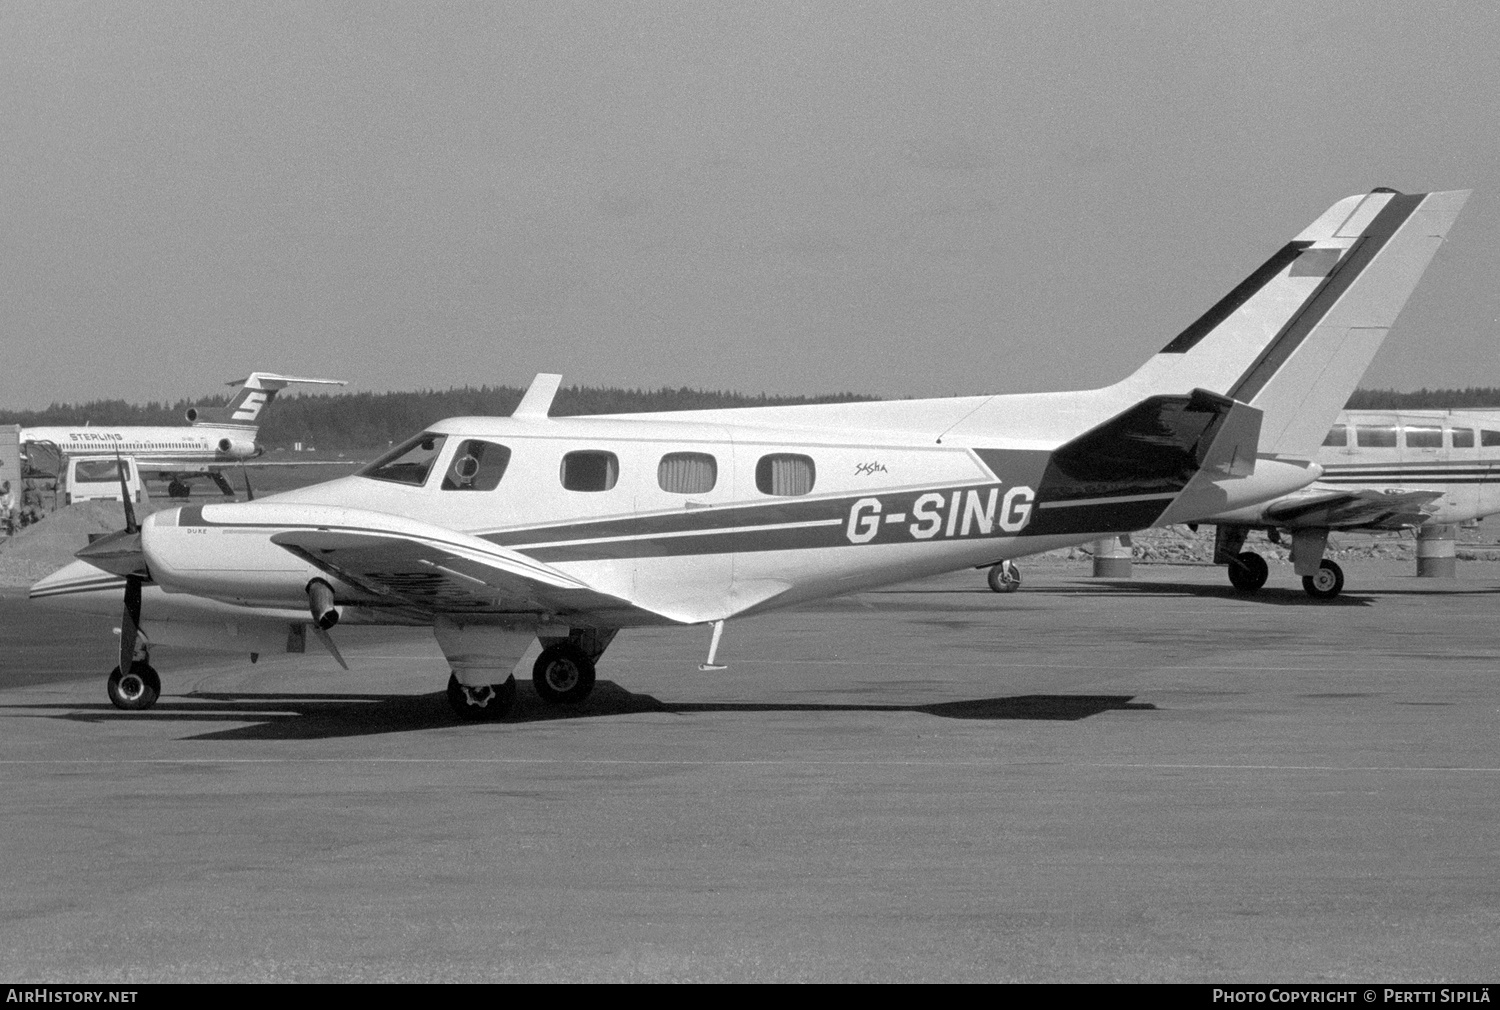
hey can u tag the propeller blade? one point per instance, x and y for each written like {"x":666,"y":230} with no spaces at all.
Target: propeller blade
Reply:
{"x":130,"y":524}
{"x":327,"y":641}
{"x":130,"y":623}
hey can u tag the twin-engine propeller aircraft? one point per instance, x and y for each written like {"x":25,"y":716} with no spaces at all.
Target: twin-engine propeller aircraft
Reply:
{"x":213,"y":437}
{"x":495,"y":532}
{"x":1382,"y":470}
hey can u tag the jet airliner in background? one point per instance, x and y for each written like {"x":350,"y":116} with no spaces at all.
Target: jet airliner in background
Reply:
{"x":498,"y":532}
{"x":212,"y":438}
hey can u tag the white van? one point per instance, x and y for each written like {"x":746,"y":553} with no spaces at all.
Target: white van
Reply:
{"x":97,"y":478}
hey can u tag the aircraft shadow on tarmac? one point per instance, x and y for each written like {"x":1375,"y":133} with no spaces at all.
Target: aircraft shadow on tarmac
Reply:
{"x":325,"y":716}
{"x":1270,"y":596}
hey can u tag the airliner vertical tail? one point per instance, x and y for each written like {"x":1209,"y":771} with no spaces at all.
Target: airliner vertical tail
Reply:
{"x":256,"y":391}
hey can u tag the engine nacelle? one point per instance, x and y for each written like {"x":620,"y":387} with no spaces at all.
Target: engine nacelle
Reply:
{"x":192,"y":415}
{"x":238,"y":448}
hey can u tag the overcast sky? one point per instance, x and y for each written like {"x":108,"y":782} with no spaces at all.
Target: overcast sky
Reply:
{"x":903,"y":199}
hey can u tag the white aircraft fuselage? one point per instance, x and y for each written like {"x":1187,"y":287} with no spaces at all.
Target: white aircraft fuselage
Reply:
{"x":496,"y":532}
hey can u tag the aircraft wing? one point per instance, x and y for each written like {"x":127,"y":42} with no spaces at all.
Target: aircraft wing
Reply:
{"x":446,"y":576}
{"x":1342,"y":510}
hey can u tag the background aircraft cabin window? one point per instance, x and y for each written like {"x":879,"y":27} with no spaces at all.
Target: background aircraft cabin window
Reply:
{"x":785,"y":474}
{"x":1487,"y":437}
{"x":1376,"y":436}
{"x":101,"y":470}
{"x":408,"y":463}
{"x":476,"y":466}
{"x":687,"y":473}
{"x":1463,"y":438}
{"x":1337,"y":435}
{"x":1423,"y":437}
{"x":590,"y":470}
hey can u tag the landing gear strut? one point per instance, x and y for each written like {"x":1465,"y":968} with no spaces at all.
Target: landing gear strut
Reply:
{"x":1325,"y":585}
{"x":481,"y":704}
{"x":134,"y":691}
{"x":1004,"y":577}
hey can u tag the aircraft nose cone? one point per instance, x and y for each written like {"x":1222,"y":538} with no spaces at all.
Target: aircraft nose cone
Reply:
{"x":119,"y":553}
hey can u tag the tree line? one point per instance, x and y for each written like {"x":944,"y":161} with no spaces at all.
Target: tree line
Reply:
{"x":370,"y":420}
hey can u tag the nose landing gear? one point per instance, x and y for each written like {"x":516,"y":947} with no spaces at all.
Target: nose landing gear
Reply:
{"x":134,"y":691}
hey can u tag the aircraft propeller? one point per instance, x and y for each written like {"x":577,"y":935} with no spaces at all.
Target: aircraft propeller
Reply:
{"x":121,"y":553}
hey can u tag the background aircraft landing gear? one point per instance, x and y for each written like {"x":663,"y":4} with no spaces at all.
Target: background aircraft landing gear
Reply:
{"x":135,"y":691}
{"x":1004,"y":577}
{"x":481,"y":704}
{"x":177,"y":489}
{"x":1248,"y":571}
{"x":563,"y":674}
{"x":1325,"y":585}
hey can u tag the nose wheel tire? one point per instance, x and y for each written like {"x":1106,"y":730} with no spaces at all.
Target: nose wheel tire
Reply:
{"x":1248,"y":571}
{"x":481,"y":704}
{"x":563,"y":675}
{"x":1004,"y":577}
{"x":1325,"y":585}
{"x":135,"y":691}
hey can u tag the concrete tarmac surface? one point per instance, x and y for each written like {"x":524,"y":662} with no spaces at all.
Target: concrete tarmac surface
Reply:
{"x":1152,"y":780}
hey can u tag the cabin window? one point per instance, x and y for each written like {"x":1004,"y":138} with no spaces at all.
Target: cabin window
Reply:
{"x":1463,"y":438}
{"x":1487,"y":437}
{"x":1337,"y":435}
{"x":687,"y":473}
{"x":590,"y":470}
{"x":785,"y":474}
{"x":408,"y":463}
{"x":1424,"y":437}
{"x":1376,"y":436}
{"x":476,"y":466}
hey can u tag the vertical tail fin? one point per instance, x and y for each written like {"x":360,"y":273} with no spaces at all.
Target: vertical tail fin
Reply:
{"x":256,"y":392}
{"x":1294,"y":338}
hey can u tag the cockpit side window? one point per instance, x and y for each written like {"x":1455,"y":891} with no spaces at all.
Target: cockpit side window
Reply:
{"x":1337,"y":435}
{"x":408,"y":463}
{"x":476,"y":466}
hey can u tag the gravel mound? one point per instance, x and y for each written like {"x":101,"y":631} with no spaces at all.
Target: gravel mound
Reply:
{"x":44,"y":547}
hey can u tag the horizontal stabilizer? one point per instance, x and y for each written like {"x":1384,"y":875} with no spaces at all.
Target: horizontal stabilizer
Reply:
{"x":1320,"y":508}
{"x":1123,"y":474}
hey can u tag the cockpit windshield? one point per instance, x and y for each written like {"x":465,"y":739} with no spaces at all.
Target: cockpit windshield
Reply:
{"x":408,"y":463}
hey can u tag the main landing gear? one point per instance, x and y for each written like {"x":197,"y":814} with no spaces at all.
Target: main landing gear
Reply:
{"x":563,"y":674}
{"x":1004,"y":577}
{"x":134,"y":691}
{"x":483,"y":703}
{"x":1326,"y":584}
{"x":1248,"y":571}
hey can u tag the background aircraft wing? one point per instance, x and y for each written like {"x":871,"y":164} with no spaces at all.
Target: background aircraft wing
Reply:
{"x":452,"y":578}
{"x":1367,"y":509}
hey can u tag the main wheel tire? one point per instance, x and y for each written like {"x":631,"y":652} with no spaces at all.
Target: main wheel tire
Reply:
{"x":563,"y":675}
{"x":1325,"y":585}
{"x":136,"y":691}
{"x":1248,"y":571}
{"x":177,"y":489}
{"x":481,"y":704}
{"x":1004,"y":577}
